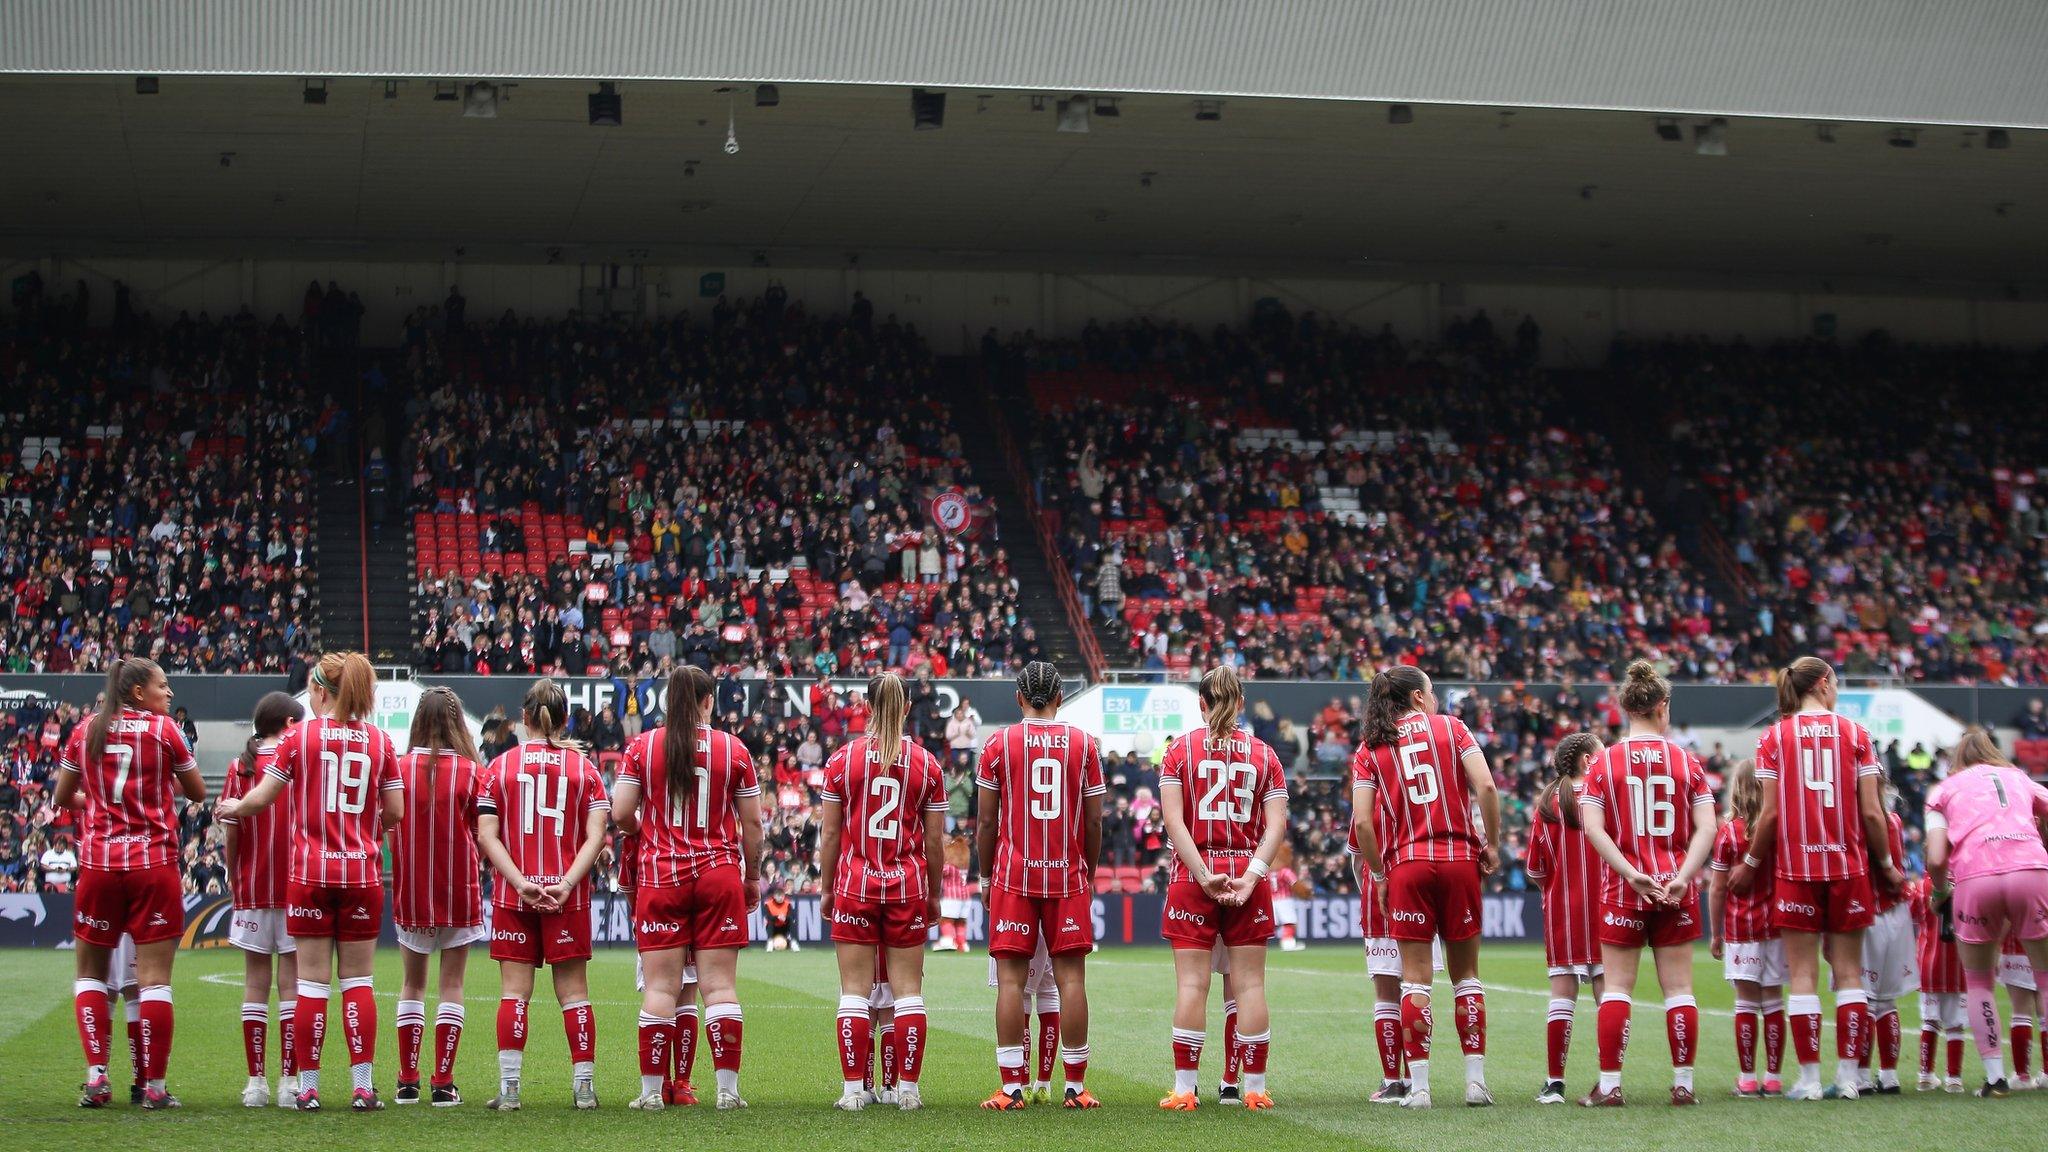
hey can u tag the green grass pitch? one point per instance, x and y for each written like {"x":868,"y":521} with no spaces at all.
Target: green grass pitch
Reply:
{"x":1322,"y":1067}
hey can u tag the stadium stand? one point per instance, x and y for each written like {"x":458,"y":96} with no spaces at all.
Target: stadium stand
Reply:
{"x":757,"y":491}
{"x":156,"y":489}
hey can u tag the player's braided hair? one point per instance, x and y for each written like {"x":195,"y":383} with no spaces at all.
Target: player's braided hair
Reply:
{"x":1038,"y":683}
{"x":1567,"y":762}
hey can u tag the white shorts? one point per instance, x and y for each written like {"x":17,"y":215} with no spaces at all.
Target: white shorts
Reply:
{"x":427,"y":941}
{"x":640,"y":975}
{"x":881,"y":997}
{"x":1891,"y":956}
{"x":1585,"y":972}
{"x":2013,"y":972}
{"x":953,"y":909}
{"x":1945,"y":1009}
{"x":121,"y":965}
{"x":260,"y":930}
{"x":1760,"y":962}
{"x":1038,"y":978}
{"x":1286,"y":910}
{"x":1383,"y":956}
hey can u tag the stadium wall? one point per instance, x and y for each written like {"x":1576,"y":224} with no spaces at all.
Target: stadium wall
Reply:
{"x":954,"y":307}
{"x":32,"y":920}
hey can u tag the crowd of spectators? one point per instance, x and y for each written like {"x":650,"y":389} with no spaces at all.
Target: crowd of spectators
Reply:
{"x":1432,"y":503}
{"x":1881,"y":499}
{"x":756,"y":492}
{"x":155,"y":496}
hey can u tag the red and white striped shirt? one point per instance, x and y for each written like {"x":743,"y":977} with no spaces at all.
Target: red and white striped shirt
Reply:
{"x":1420,"y":779}
{"x":338,"y":772}
{"x":433,"y":853}
{"x":1373,"y":924}
{"x":263,"y":842}
{"x":1814,"y":760}
{"x":130,"y":822}
{"x":695,"y":827}
{"x":1223,"y":792}
{"x":1743,"y":918}
{"x":1941,"y":966}
{"x":543,"y":796}
{"x":953,"y":884}
{"x":1646,"y":787}
{"x":1898,"y":846}
{"x":1565,"y":866}
{"x":1041,"y":770}
{"x":881,"y":840}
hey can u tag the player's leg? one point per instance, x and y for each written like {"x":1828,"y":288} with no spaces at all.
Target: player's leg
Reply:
{"x":1749,"y":998}
{"x":905,"y":958}
{"x":853,"y":1027}
{"x":1557,"y":1031}
{"x":411,"y":1020}
{"x":256,"y":976}
{"x":1386,"y":1027}
{"x":1191,"y":970}
{"x":718,"y":978}
{"x":1013,"y":1024}
{"x":1980,"y":961}
{"x":354,"y":962}
{"x":661,"y":972}
{"x":1955,"y":1029}
{"x":448,"y":1021}
{"x":1802,"y":1008}
{"x":2026,"y":1007}
{"x":683,"y":1044}
{"x":1621,"y":962}
{"x":1229,"y":1091}
{"x":315,"y":934}
{"x":1417,"y":1017}
{"x":1771,"y":979}
{"x":2036,"y":951}
{"x":1461,"y":958}
{"x":92,"y":1006}
{"x":287,"y":1019}
{"x":1069,"y":1026}
{"x":579,"y":1025}
{"x":1852,"y":1008}
{"x":1254,"y":1021}
{"x":1681,"y":1015}
{"x":515,"y":997}
{"x":1896,"y":975}
{"x":153,"y":974}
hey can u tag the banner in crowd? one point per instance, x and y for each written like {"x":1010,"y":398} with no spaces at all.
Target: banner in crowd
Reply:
{"x":29,"y":920}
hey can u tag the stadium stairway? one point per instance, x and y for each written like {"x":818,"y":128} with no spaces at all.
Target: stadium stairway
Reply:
{"x":975,"y":417}
{"x":340,"y":578}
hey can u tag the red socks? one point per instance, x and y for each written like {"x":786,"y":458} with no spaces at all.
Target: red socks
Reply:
{"x":312,"y":1016}
{"x":1890,"y":1039}
{"x":579,"y":1024}
{"x":1470,"y":1007}
{"x":684,"y":1050}
{"x":1682,"y":1029}
{"x":448,"y":1020}
{"x":656,"y":1037}
{"x":1852,"y":1023}
{"x":1746,"y":1023}
{"x":1187,"y":1050}
{"x":722,"y":1031}
{"x":91,"y":1006}
{"x":1416,"y":1021}
{"x":912,"y":1030}
{"x":1048,"y":1045}
{"x":158,"y":1021}
{"x":287,"y":1038}
{"x":854,"y":1035}
{"x":2022,"y":1046}
{"x":1614,"y":1014}
{"x":255,"y":1031}
{"x":1774,"y":1035}
{"x":359,"y":1020}
{"x":412,"y":1029}
{"x":1386,"y":1027}
{"x":511,"y":1024}
{"x":892,"y":1054}
{"x":1557,"y":1036}
{"x":1804,"y":1019}
{"x":1232,"y":1058}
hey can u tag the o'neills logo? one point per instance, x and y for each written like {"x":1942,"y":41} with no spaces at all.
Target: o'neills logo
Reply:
{"x":509,"y":936}
{"x":656,"y":926}
{"x":1795,"y":906}
{"x":1184,"y":914}
{"x":1401,"y":916}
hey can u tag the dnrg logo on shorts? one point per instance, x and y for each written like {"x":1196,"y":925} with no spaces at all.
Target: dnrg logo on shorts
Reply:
{"x":1191,"y":917}
{"x":1795,"y":906}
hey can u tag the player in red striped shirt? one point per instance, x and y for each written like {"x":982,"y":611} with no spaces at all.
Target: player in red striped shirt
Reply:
{"x":1942,"y":1014}
{"x":1890,"y":968}
{"x":1649,"y":813}
{"x":1039,"y":806}
{"x":540,"y":821}
{"x":880,"y":848}
{"x":1562,"y":863}
{"x":435,"y":901}
{"x":121,"y":771}
{"x":344,"y":778}
{"x":1822,"y":827}
{"x":1746,"y":942}
{"x":1225,"y":805}
{"x":699,"y":875}
{"x":259,"y":857}
{"x":1425,"y":771}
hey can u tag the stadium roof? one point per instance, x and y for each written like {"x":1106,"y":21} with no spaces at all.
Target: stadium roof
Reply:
{"x":1273,"y":186}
